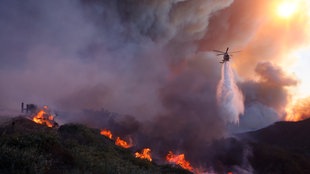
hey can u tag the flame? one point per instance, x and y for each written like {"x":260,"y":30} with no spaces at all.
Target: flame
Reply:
{"x":145,"y":154}
{"x":122,"y":143}
{"x":298,"y":111}
{"x":118,"y":141}
{"x":106,"y":133}
{"x":43,"y":117}
{"x":179,"y":160}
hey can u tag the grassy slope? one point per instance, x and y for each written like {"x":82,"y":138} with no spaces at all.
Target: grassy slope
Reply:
{"x":26,"y":147}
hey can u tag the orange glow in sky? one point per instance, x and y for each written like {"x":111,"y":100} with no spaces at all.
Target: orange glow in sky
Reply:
{"x":287,"y":8}
{"x":281,"y":37}
{"x":297,"y":62}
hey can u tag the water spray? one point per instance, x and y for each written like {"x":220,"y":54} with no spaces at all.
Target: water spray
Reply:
{"x":229,"y":97}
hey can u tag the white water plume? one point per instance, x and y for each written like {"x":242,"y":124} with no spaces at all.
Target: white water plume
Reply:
{"x":229,"y":97}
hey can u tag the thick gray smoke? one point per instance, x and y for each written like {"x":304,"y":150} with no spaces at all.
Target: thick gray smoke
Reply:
{"x":266,"y":97}
{"x":135,"y":57}
{"x":77,"y":55}
{"x":229,"y":97}
{"x":131,"y":57}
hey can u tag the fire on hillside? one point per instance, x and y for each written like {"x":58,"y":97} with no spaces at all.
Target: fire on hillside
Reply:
{"x":145,"y":154}
{"x":179,"y":160}
{"x":40,"y":115}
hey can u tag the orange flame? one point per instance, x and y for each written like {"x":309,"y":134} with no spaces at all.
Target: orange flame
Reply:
{"x":106,"y":133}
{"x":42,"y":117}
{"x":122,"y":143}
{"x":118,"y":141}
{"x":145,"y":154}
{"x":179,"y":160}
{"x":299,"y":110}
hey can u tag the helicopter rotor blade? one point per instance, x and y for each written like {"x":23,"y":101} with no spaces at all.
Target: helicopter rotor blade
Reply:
{"x":235,"y":52}
{"x":219,"y":51}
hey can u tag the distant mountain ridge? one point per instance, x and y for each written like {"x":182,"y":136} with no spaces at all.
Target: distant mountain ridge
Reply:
{"x":281,"y":148}
{"x":283,"y":134}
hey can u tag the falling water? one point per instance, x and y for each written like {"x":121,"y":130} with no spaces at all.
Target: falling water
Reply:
{"x":229,"y":98}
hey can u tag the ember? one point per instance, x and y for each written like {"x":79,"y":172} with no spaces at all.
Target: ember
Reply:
{"x":106,"y":133}
{"x":179,"y":160}
{"x":122,"y":143}
{"x":145,"y":154}
{"x":44,"y":117}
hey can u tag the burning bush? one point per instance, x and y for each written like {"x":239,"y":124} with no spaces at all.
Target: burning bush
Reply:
{"x":45,"y":117}
{"x":123,"y":143}
{"x":179,"y":160}
{"x":145,"y":154}
{"x":118,"y":141}
{"x":106,"y":133}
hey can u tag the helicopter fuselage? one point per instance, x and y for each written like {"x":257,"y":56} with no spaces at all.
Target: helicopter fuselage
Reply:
{"x":226,"y":57}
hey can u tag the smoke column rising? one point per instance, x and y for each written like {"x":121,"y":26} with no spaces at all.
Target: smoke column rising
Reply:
{"x":229,"y":97}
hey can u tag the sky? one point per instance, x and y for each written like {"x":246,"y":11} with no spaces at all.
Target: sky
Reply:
{"x":300,"y":68}
{"x":152,"y":62}
{"x":82,"y":55}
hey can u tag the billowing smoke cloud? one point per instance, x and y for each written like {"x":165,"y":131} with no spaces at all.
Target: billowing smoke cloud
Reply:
{"x":130,"y":57}
{"x":91,"y":54}
{"x":270,"y":87}
{"x":255,"y":28}
{"x":229,"y":97}
{"x":140,"y":58}
{"x":265,"y":98}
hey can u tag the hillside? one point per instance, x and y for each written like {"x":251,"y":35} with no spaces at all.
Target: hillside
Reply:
{"x":283,"y":147}
{"x":290,"y":135}
{"x":27,"y":147}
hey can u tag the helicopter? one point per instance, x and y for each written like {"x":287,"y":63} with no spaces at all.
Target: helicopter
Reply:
{"x":226,"y":55}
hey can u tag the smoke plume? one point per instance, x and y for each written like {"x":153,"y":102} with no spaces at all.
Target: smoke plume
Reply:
{"x":229,"y":97}
{"x":266,"y":97}
{"x":149,"y":62}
